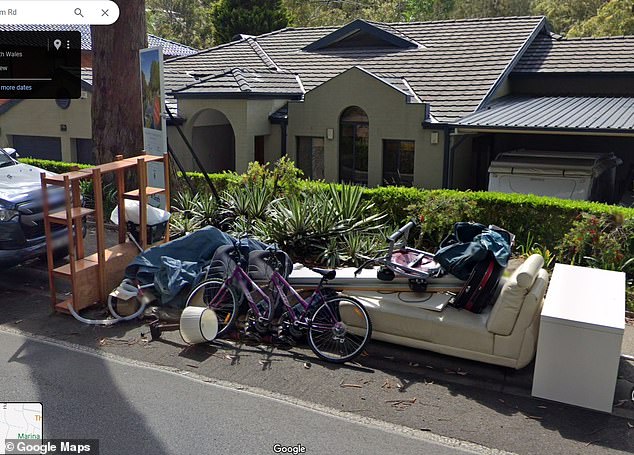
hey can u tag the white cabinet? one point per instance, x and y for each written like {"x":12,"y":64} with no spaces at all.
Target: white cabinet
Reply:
{"x":580,"y":334}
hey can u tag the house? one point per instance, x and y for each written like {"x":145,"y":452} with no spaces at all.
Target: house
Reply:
{"x":61,"y":129}
{"x":428,"y":104}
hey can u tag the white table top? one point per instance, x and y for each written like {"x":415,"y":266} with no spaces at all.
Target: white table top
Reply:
{"x":586,"y":297}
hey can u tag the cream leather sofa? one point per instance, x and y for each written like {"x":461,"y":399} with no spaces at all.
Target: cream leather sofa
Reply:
{"x":503,"y":334}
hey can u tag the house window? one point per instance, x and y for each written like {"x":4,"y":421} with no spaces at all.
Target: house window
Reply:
{"x":398,"y":162}
{"x":353,"y":146}
{"x":310,"y":156}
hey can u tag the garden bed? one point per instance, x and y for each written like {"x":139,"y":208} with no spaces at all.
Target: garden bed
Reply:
{"x":334,"y":224}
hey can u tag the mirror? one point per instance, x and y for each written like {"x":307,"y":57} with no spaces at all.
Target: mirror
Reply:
{"x":13,"y":153}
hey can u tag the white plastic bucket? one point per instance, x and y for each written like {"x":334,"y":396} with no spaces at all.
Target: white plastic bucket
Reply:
{"x":198,"y":325}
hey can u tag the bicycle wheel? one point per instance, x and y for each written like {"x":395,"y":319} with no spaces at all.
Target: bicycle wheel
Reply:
{"x":215,"y":294}
{"x":339,"y":330}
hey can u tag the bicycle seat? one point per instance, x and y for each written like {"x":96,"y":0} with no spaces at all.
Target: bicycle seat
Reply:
{"x":327,"y":274}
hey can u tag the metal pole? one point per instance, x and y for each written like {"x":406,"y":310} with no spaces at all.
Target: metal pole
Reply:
{"x":191,"y":150}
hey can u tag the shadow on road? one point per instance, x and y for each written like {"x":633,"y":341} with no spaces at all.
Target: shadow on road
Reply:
{"x":81,"y":399}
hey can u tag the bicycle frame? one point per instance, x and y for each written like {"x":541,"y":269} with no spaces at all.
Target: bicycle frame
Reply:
{"x":240,"y":279}
{"x":282,"y":287}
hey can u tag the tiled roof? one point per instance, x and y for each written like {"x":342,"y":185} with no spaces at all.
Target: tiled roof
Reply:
{"x":246,"y":82}
{"x":170,"y":48}
{"x":551,"y":53}
{"x":456,"y":65}
{"x":555,"y":113}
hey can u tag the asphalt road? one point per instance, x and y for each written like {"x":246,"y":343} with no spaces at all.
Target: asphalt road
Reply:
{"x":135,"y":409}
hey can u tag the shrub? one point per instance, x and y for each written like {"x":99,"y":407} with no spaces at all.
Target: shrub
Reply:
{"x":604,"y":241}
{"x":59,"y":167}
{"x":440,"y":210}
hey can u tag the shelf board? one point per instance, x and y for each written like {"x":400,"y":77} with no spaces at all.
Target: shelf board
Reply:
{"x":72,"y":176}
{"x":61,"y":307}
{"x":80,"y":266}
{"x":126,"y":163}
{"x":76,"y":212}
{"x":149,"y":191}
{"x":151,"y":158}
{"x":113,"y":166}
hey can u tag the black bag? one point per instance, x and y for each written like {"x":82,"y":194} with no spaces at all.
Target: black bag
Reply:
{"x":459,"y":259}
{"x":470,"y":243}
{"x":480,"y":287}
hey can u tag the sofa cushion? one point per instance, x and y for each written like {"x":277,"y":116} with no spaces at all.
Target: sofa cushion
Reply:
{"x":528,"y":271}
{"x":509,"y":303}
{"x":521,"y":343}
{"x":397,"y":314}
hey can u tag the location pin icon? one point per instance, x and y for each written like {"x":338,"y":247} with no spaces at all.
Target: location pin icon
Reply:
{"x":57,"y":43}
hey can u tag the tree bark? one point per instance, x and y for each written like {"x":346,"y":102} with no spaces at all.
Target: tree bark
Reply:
{"x":117,"y":127}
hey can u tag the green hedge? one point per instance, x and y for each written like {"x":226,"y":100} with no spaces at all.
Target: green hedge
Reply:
{"x":53,"y":166}
{"x":547,"y":219}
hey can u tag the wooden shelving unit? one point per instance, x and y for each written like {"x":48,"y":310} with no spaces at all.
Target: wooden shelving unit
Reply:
{"x":93,"y":277}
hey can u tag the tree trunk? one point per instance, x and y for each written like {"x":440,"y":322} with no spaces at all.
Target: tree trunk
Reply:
{"x":117,"y":127}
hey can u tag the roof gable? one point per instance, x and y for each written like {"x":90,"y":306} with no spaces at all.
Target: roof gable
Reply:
{"x":362,"y":34}
{"x":398,"y":85}
{"x":245,"y":83}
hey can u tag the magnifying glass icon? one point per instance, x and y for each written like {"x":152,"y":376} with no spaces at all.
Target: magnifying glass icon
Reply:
{"x":78,"y":12}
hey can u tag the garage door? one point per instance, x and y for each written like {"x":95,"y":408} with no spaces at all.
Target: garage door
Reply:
{"x":84,"y":151}
{"x":46,"y":148}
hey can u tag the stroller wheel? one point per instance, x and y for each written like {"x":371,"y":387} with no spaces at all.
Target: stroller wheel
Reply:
{"x":418,"y":285}
{"x":385,"y":274}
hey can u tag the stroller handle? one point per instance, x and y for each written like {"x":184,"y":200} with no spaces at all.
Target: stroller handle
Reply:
{"x":404,"y":230}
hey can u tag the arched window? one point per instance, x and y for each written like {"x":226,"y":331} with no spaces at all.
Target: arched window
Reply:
{"x":353,"y":146}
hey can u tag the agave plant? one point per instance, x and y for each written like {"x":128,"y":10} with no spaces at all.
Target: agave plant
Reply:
{"x":359,"y":215}
{"x":250,"y":201}
{"x":180,"y":224}
{"x":357,"y":247}
{"x":185,"y":202}
{"x":314,"y":224}
{"x":204,"y":209}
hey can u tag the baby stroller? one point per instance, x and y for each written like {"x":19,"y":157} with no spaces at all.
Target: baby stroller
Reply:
{"x":402,"y":260}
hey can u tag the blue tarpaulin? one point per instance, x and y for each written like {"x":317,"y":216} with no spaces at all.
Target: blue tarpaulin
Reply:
{"x":176,"y":265}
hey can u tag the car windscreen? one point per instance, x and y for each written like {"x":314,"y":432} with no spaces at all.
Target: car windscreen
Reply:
{"x":5,"y":160}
